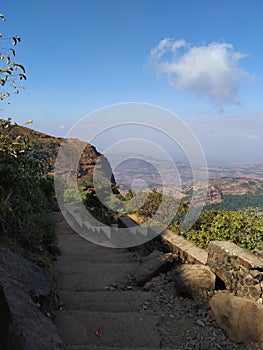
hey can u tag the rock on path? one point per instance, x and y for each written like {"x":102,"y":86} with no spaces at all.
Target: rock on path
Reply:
{"x":96,"y":312}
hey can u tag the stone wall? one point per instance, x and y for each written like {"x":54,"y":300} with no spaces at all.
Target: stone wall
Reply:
{"x":241,"y":271}
{"x":186,"y":251}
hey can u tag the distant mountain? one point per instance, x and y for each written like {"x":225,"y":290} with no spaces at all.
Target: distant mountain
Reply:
{"x":230,"y":193}
{"x":250,"y":170}
{"x":226,"y":186}
{"x":235,"y":193}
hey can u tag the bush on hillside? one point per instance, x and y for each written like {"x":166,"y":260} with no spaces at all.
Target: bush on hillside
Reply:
{"x":24,"y":216}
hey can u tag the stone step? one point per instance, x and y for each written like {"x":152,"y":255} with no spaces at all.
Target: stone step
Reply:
{"x":88,"y":347}
{"x":126,"y":329}
{"x":74,"y":244}
{"x":97,"y":277}
{"x":104,"y":301}
{"x":108,"y":257}
{"x":90,"y":267}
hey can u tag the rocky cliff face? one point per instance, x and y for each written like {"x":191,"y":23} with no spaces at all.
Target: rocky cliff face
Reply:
{"x":218,"y":188}
{"x":45,"y":148}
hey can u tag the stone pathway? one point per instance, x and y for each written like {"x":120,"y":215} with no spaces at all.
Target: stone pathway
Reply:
{"x":102,"y":309}
{"x":95,"y":313}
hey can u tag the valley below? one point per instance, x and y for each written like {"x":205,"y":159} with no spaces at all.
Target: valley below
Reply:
{"x":240,"y":184}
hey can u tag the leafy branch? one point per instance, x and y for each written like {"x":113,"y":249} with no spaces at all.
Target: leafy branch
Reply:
{"x":12,"y":73}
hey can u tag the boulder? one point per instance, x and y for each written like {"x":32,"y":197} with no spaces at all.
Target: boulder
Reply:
{"x":192,"y":280}
{"x":240,"y":318}
{"x":24,"y":287}
{"x":152,"y":265}
{"x":35,"y":279}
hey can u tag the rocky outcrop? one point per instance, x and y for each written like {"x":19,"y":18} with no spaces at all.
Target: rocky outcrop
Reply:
{"x":241,"y":319}
{"x":25,"y":289}
{"x":214,"y":195}
{"x":192,"y":280}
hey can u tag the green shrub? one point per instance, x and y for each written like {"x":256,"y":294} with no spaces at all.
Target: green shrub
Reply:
{"x":244,"y":228}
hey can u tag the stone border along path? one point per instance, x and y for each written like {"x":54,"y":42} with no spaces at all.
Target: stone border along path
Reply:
{"x":96,"y":313}
{"x":102,"y":309}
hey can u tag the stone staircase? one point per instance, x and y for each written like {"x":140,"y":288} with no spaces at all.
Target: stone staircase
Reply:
{"x":96,"y":313}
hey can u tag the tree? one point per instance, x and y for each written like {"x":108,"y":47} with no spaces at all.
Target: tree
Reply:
{"x":12,"y":73}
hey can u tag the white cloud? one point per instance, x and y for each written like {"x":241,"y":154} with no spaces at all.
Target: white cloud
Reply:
{"x":252,"y":136}
{"x":207,"y":70}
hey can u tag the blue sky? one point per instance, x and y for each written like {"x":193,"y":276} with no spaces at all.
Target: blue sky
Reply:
{"x":200,"y":59}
